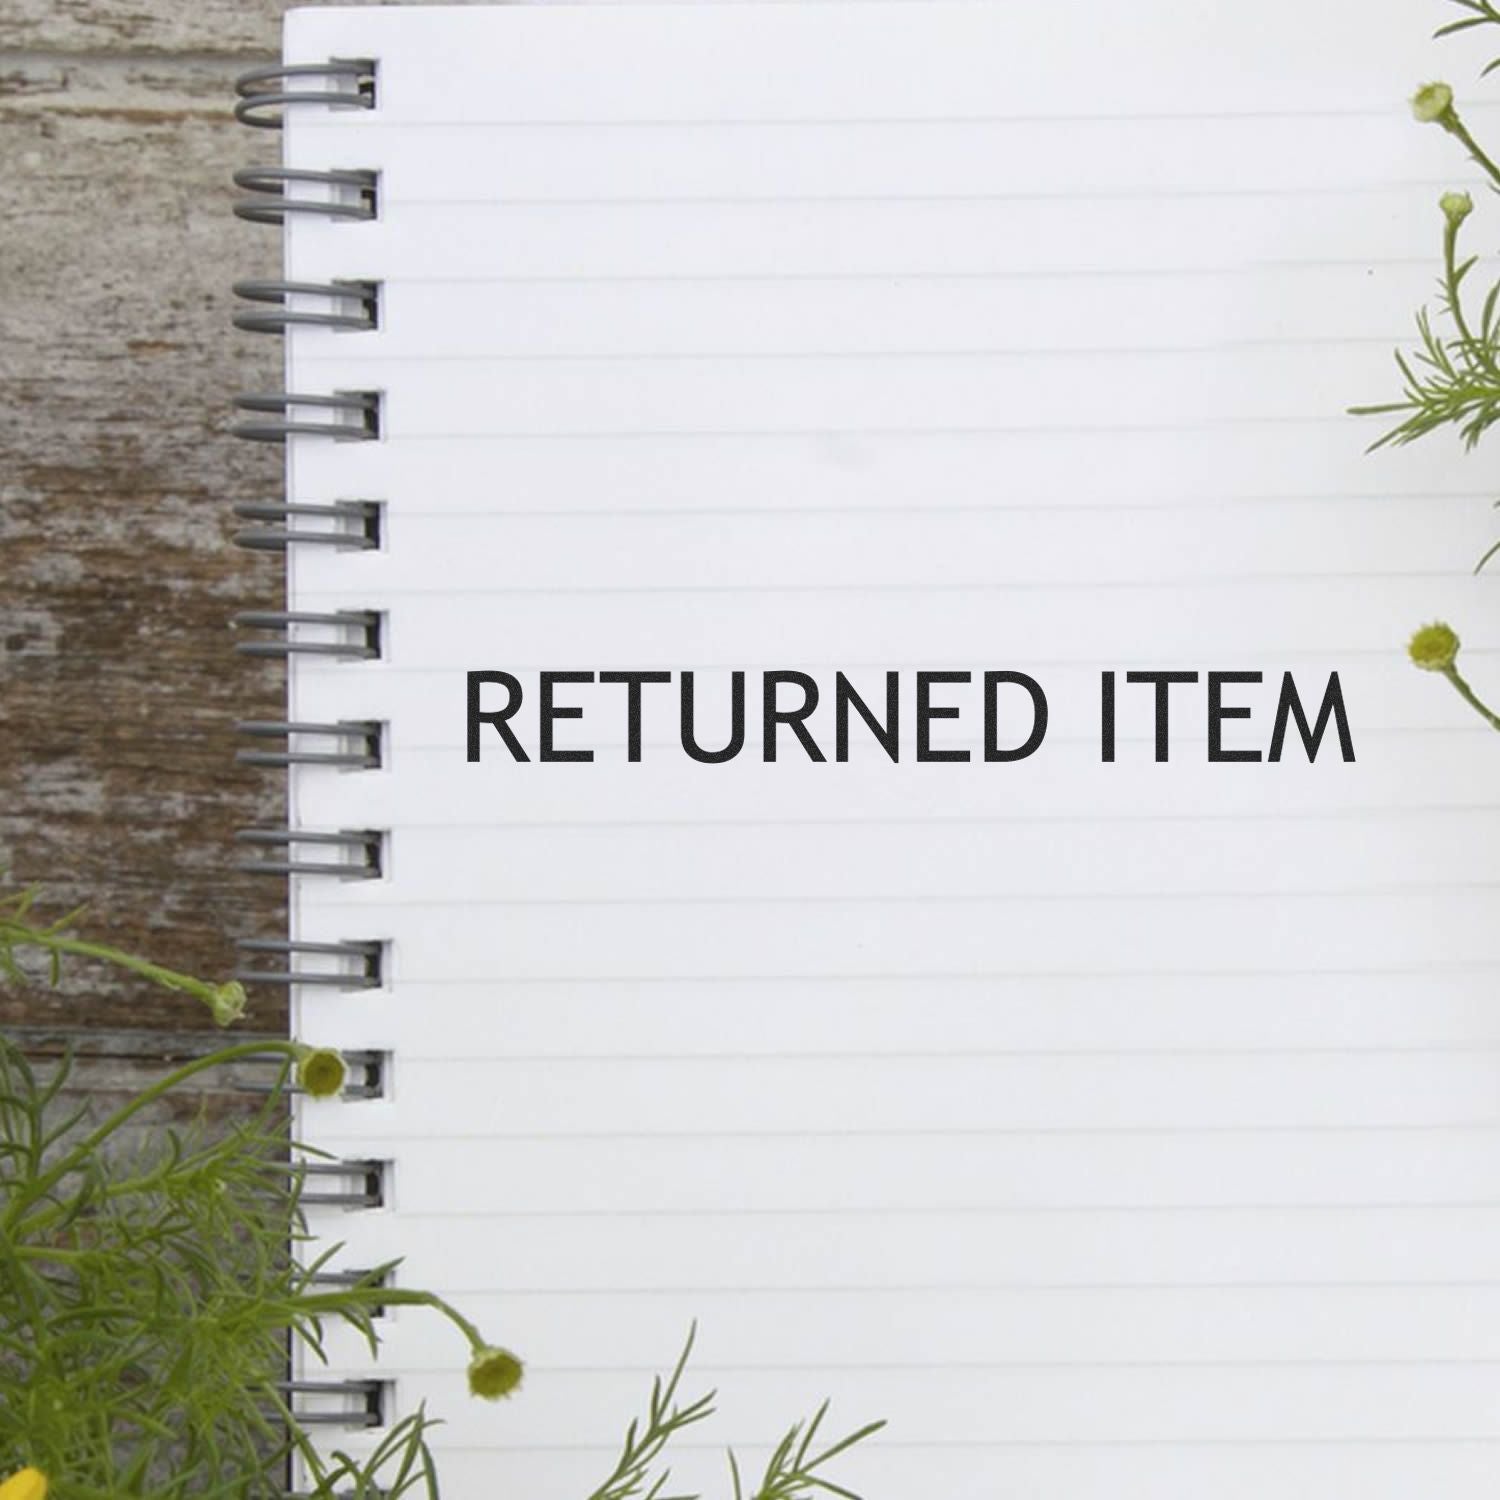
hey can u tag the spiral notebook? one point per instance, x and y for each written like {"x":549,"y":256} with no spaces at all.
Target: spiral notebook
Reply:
{"x":1108,"y":1101}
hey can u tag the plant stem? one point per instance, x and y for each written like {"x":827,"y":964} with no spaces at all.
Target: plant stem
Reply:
{"x":1470,"y":697}
{"x":95,"y":1138}
{"x":1451,"y":282}
{"x":19,"y":935}
{"x":333,"y":1302}
{"x":1460,"y":132}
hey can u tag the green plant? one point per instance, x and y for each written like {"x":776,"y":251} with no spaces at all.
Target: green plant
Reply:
{"x":147,"y":1300}
{"x":147,"y":1296}
{"x":1452,"y":378}
{"x":791,"y":1472}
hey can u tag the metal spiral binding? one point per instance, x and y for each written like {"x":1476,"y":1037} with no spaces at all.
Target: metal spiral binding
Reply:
{"x":363,"y":846}
{"x":263,"y":90}
{"x":351,"y":193}
{"x":354,"y":1184}
{"x":361,"y":742}
{"x":359,"y":963}
{"x":274,"y":195}
{"x":363,"y":296}
{"x":352,"y":525}
{"x":366,"y":1396}
{"x":360,"y":408}
{"x":355,"y":633}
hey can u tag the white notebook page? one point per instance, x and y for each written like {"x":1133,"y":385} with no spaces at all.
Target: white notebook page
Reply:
{"x":1114,"y":1129}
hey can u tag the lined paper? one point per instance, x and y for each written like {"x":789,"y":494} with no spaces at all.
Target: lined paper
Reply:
{"x":1124,"y":1129}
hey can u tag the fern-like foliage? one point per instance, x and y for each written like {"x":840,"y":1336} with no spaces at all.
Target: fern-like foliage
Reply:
{"x":1477,"y":13}
{"x":645,"y":1439}
{"x":793,"y":1471}
{"x":149,"y":1293}
{"x":135,"y":1356}
{"x":1452,"y":379}
{"x":145,"y":1307}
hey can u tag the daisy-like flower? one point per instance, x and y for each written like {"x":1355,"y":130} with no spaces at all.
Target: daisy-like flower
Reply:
{"x":1434,"y":647}
{"x":320,"y":1073}
{"x":28,"y":1484}
{"x":493,"y":1373}
{"x":1432,"y":104}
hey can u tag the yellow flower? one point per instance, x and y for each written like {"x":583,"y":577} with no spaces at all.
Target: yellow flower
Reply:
{"x":1434,"y":648}
{"x":493,"y":1373}
{"x":321,"y":1073}
{"x":29,"y":1484}
{"x":1432,"y":104}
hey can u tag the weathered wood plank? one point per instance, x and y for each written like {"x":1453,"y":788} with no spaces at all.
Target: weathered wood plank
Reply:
{"x":240,"y":29}
{"x":118,"y":686}
{"x":225,"y":28}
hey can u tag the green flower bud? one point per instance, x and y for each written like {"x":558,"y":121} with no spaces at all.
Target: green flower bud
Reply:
{"x":494,"y":1373}
{"x":1434,"y":648}
{"x":227,"y":1002}
{"x":1456,"y":207}
{"x":1432,"y":104}
{"x":321,"y":1072}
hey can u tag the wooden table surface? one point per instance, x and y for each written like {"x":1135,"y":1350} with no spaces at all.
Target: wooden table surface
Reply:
{"x":117,"y":777}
